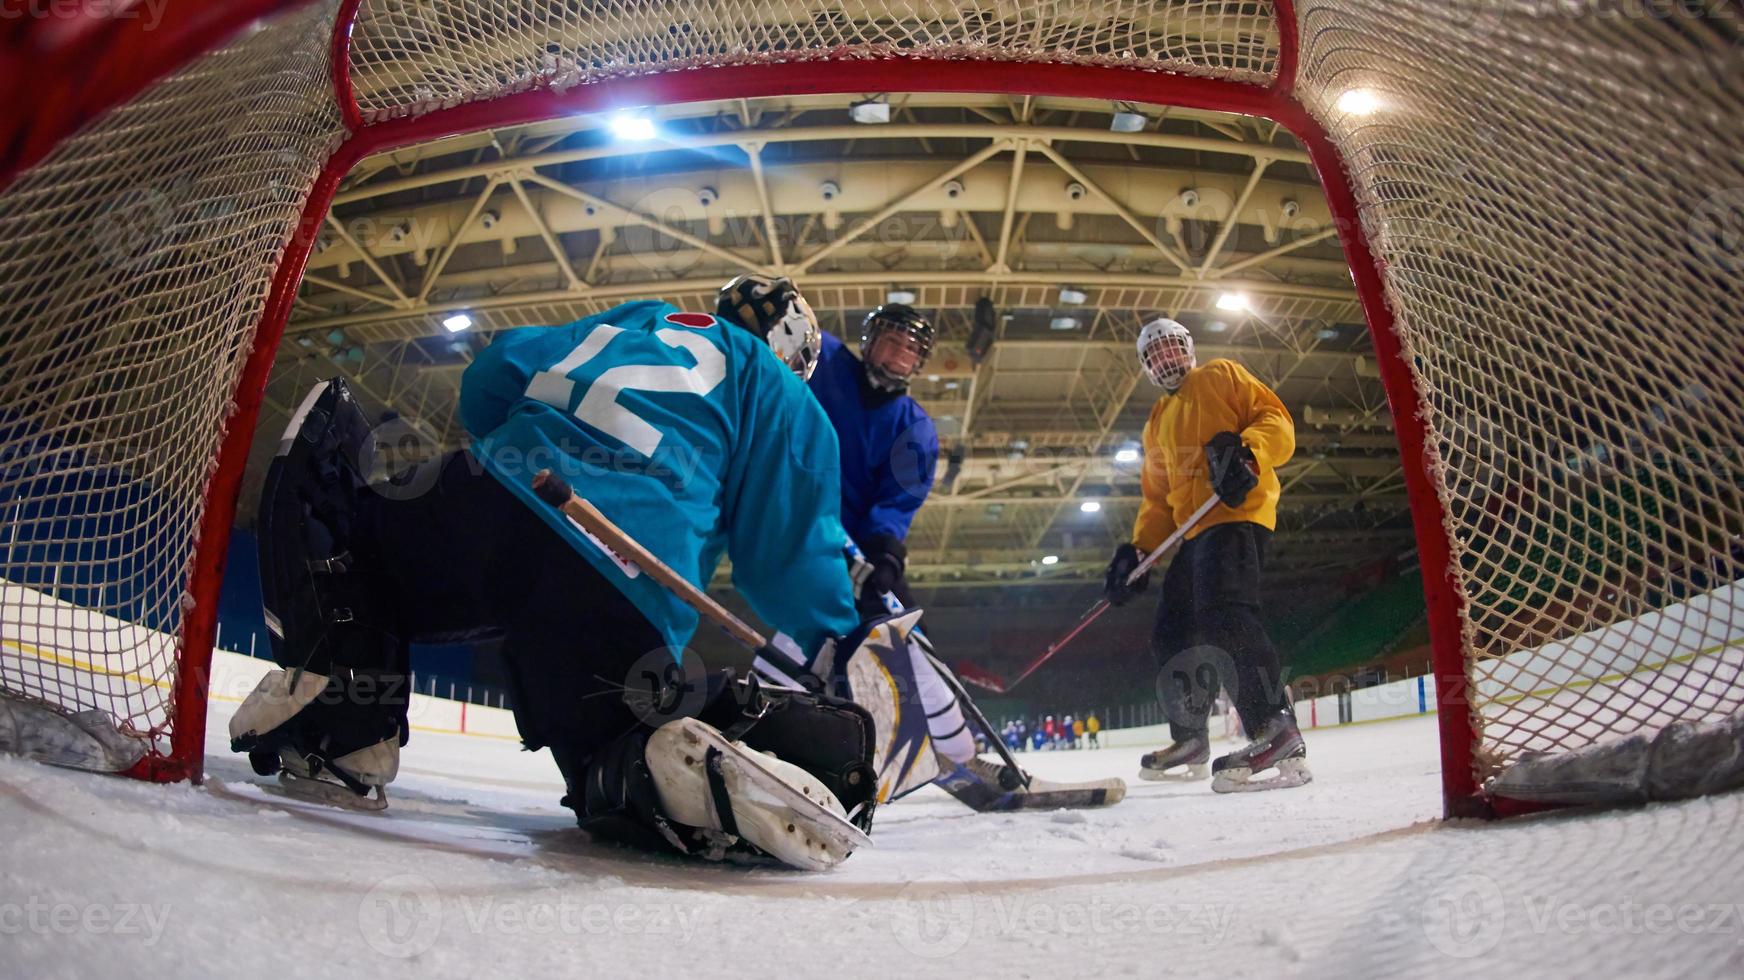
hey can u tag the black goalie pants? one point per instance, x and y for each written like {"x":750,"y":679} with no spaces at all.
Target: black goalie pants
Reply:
{"x":465,"y":559}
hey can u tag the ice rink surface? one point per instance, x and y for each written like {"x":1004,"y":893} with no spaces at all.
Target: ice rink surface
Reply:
{"x":476,"y":871}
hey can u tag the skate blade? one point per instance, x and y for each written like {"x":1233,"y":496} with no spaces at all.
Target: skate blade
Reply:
{"x":1290,"y":773}
{"x":332,"y":794}
{"x":819,"y":818}
{"x":1192,"y":774}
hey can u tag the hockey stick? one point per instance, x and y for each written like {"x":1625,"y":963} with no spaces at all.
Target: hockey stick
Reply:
{"x":982,"y":677}
{"x":556,"y":491}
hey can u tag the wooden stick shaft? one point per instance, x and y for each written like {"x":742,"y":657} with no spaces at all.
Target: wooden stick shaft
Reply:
{"x":552,"y":489}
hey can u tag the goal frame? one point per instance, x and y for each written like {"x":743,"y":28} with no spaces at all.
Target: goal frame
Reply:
{"x":145,"y":56}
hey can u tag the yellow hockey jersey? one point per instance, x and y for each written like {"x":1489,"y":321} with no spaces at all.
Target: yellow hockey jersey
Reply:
{"x":1218,"y":396}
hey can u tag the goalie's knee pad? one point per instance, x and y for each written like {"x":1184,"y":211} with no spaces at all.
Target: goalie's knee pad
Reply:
{"x":753,"y":772}
{"x":319,"y":585}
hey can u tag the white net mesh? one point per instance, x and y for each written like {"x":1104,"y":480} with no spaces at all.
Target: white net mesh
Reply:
{"x":1555,"y":191}
{"x":134,"y":265}
{"x":409,"y":57}
{"x":1550,"y":188}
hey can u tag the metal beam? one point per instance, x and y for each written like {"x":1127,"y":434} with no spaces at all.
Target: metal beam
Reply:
{"x":867,"y":224}
{"x":1120,"y":209}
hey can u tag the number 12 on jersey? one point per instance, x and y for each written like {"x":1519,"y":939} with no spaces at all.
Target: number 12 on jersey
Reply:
{"x":599,"y":405}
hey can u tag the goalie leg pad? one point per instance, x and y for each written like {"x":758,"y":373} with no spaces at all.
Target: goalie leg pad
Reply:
{"x":319,"y":580}
{"x":723,"y":790}
{"x":773,"y":751}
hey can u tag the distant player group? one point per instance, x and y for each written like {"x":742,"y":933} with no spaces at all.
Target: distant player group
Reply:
{"x":699,"y":437}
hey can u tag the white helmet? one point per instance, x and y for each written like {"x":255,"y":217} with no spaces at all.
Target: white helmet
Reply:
{"x":1165,"y":348}
{"x":773,"y":309}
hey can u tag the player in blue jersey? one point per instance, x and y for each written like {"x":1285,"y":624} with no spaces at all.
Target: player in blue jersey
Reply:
{"x":889,"y":446}
{"x":685,"y":432}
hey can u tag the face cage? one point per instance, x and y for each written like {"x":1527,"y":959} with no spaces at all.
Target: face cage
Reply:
{"x":798,"y":339}
{"x":882,"y":377}
{"x":1163,"y":361}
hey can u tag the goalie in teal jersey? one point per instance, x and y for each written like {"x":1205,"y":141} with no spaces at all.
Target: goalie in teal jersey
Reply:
{"x":684,"y":431}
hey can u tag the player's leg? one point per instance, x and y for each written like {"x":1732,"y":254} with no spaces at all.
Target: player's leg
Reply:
{"x":1186,"y":678}
{"x":658,"y":755}
{"x":1229,"y":561}
{"x":335,"y":715}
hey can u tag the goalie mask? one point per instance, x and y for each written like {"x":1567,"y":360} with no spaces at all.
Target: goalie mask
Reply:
{"x":1165,"y":349}
{"x":895,"y":341}
{"x":773,"y":309}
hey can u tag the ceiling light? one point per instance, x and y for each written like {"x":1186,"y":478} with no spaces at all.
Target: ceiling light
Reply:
{"x":1216,"y":326}
{"x":1359,"y":102}
{"x":1328,"y":333}
{"x":1127,"y":121}
{"x":900,"y":295}
{"x":1126,"y":455}
{"x":632,"y":127}
{"x":932,"y":377}
{"x":457,"y":322}
{"x":870,"y":112}
{"x":1063,"y":323}
{"x":952,"y":386}
{"x":1072,"y":296}
{"x":1050,"y":559}
{"x":1232,"y":302}
{"x":1090,"y":506}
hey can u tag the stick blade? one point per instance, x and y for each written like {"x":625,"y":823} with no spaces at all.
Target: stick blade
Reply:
{"x":981,"y":677}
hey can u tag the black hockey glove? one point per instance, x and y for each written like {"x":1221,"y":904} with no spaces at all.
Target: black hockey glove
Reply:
{"x":888,"y":557}
{"x":1116,"y":589}
{"x":1234,"y":470}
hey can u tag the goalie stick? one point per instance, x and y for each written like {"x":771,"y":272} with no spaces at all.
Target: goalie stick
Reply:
{"x":982,"y":677}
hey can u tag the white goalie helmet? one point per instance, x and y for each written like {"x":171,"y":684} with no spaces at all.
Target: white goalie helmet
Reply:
{"x":1165,"y":349}
{"x":773,"y":309}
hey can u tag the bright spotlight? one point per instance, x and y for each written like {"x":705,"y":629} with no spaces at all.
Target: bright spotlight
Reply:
{"x":1127,"y":455}
{"x":1232,"y":302}
{"x":1359,"y":102}
{"x":457,"y":322}
{"x":1050,"y":559}
{"x":632,"y":127}
{"x":1090,"y":506}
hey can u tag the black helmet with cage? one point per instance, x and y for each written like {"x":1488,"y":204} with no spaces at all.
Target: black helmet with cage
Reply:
{"x":895,"y":341}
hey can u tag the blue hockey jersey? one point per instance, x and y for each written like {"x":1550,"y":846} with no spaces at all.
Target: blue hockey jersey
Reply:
{"x":890,"y":450}
{"x":687,"y":434}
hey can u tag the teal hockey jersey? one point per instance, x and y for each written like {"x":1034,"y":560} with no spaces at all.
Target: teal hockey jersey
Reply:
{"x":690,"y":436}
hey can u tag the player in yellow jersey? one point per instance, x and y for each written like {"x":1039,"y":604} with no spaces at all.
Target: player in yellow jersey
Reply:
{"x":1216,"y":430}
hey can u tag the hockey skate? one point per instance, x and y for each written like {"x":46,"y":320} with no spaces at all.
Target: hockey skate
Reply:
{"x":986,"y":787}
{"x":1185,"y":761}
{"x":1279,"y":746}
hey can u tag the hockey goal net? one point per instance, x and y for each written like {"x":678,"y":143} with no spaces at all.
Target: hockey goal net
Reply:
{"x":1542,"y":204}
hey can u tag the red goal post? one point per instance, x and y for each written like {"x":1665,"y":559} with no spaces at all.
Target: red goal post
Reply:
{"x":1459,"y":207}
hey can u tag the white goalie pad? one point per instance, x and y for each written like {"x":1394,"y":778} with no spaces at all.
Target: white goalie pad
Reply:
{"x":882,"y":678}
